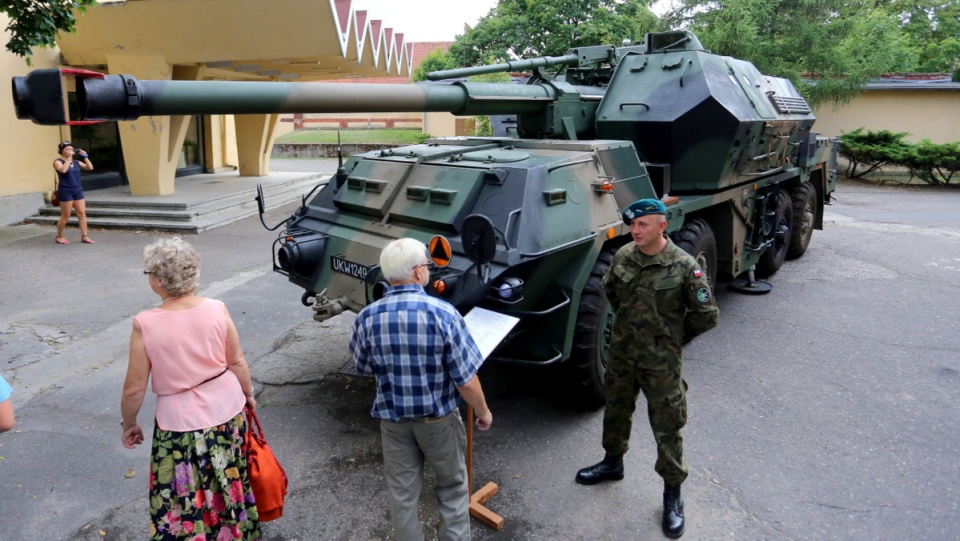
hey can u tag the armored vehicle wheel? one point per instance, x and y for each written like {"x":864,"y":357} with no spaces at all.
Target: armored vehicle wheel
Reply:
{"x":774,"y":256}
{"x":804,"y":199}
{"x":587,"y":365}
{"x":697,"y":239}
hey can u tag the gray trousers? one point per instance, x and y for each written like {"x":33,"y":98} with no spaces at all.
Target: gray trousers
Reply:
{"x":442,"y":442}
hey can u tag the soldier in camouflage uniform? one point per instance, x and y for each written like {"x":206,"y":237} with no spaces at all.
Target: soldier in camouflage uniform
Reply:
{"x":661,"y":299}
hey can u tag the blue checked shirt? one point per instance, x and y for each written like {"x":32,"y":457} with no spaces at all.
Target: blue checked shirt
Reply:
{"x":418,"y":349}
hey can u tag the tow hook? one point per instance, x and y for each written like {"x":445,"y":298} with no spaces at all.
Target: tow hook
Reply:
{"x":328,"y":309}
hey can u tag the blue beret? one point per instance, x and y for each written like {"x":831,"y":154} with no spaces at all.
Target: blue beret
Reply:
{"x":643,"y":207}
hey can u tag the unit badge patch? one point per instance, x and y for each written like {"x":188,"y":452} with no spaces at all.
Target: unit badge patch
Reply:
{"x":697,"y":273}
{"x":703,"y":295}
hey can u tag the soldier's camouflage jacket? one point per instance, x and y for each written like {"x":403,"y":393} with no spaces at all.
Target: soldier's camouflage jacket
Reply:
{"x":660,"y":301}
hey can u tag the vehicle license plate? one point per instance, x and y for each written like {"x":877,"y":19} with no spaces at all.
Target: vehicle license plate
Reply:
{"x":348,"y":267}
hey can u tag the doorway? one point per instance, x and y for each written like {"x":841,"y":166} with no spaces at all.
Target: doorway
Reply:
{"x":102,"y":143}
{"x":191,"y":155}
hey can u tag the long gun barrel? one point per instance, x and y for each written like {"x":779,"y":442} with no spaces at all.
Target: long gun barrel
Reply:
{"x":40,"y":97}
{"x":519,"y":65}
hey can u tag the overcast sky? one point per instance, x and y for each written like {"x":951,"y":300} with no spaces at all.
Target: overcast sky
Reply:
{"x":426,"y":20}
{"x":434,"y":20}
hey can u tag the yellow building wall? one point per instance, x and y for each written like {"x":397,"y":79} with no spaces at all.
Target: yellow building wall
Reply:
{"x":440,"y":124}
{"x":285,"y":125}
{"x":29,"y":149}
{"x":212,"y":30}
{"x":924,"y":114}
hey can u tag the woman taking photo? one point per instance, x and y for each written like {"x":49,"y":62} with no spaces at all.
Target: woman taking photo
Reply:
{"x":69,"y":191}
{"x":190,"y":348}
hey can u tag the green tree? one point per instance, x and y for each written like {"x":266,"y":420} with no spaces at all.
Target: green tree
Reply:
{"x":36,"y":23}
{"x":435,"y":61}
{"x":828,"y":48}
{"x":933,"y":27}
{"x":530,"y":28}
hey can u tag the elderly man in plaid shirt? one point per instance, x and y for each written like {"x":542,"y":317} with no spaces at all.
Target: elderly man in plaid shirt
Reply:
{"x":418,"y":349}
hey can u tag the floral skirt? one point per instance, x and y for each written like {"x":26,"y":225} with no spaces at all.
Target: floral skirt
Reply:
{"x":199,"y":489}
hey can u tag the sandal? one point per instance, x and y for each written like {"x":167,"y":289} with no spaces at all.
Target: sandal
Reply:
{"x":86,"y":240}
{"x":61,"y":240}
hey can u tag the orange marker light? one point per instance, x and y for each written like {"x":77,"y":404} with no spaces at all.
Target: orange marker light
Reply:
{"x":439,"y":286}
{"x":440,"y":251}
{"x":606,"y":186}
{"x":611,"y":233}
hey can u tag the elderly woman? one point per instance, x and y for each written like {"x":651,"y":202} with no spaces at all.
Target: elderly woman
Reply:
{"x":199,"y":487}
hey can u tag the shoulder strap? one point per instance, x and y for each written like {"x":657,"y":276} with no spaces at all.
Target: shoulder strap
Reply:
{"x":254,"y":431}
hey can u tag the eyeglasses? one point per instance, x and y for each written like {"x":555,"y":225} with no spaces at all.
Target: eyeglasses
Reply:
{"x":429,"y":266}
{"x":147,"y":271}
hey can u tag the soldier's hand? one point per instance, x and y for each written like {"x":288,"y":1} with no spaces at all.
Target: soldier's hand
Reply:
{"x":484,"y":420}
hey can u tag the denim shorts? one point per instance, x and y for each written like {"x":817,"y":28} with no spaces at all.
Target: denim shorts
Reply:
{"x":70,"y":194}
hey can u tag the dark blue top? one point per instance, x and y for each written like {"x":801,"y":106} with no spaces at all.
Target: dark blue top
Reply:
{"x":70,"y":179}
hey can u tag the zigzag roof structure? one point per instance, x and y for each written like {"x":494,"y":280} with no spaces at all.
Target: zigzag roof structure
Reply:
{"x":283,"y":40}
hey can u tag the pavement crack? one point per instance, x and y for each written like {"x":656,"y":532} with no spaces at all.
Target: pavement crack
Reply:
{"x":841,"y":508}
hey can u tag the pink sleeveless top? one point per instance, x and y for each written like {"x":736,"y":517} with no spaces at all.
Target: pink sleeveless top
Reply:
{"x":186,"y":348}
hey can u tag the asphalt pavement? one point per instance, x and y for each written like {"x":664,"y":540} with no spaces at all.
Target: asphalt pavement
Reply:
{"x":824,"y":410}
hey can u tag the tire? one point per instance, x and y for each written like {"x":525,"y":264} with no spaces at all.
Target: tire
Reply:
{"x":587,"y":365}
{"x":775,"y":254}
{"x":804,"y":199}
{"x":697,"y":239}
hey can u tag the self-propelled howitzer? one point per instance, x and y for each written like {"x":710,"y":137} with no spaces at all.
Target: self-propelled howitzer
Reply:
{"x":526,"y":225}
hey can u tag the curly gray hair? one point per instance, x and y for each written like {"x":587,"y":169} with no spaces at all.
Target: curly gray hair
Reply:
{"x":175,"y":263}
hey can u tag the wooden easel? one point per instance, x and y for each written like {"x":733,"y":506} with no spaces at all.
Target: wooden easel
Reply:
{"x":477,"y":499}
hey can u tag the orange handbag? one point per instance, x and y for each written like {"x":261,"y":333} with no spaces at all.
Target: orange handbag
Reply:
{"x":267,"y":478}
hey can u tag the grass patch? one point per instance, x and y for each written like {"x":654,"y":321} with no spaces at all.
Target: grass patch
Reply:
{"x":329,"y":136}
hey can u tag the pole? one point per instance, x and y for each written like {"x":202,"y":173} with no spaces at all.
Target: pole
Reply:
{"x":477,"y":500}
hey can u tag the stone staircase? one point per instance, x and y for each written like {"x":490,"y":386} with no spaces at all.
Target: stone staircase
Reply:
{"x":199,"y":203}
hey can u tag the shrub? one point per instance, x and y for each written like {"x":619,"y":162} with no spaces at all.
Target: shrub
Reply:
{"x":933,"y":163}
{"x":872,"y":150}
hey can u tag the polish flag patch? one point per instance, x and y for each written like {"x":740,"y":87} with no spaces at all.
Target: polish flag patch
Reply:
{"x":697,"y":273}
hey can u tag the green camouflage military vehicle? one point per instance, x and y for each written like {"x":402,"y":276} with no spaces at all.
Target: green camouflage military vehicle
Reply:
{"x":527,"y":224}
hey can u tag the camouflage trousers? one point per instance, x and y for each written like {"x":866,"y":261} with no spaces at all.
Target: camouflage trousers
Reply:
{"x":666,"y":396}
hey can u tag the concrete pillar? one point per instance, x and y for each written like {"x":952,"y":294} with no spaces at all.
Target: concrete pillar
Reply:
{"x":151,"y":145}
{"x":255,"y":135}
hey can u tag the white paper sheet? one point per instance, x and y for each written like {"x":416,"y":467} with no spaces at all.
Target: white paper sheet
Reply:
{"x":488,"y":328}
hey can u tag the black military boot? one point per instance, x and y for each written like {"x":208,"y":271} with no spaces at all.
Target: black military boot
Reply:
{"x":672,"y":512}
{"x":609,"y":469}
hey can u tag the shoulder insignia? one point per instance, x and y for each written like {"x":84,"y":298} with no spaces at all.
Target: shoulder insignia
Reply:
{"x":703,"y":295}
